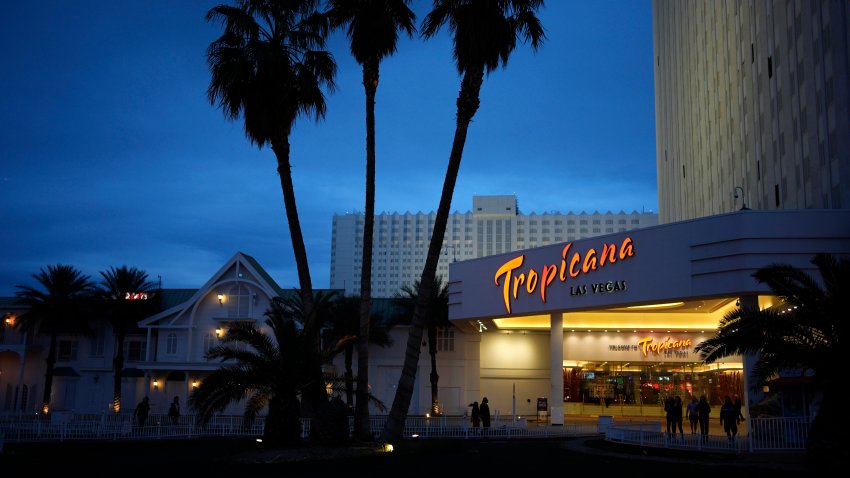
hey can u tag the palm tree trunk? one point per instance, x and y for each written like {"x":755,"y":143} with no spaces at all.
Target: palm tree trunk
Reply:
{"x":118,"y":365}
{"x":467,"y":105}
{"x":432,"y":351}
{"x":362,"y":430}
{"x":314,"y":392}
{"x":48,"y":375}
{"x":349,"y":376}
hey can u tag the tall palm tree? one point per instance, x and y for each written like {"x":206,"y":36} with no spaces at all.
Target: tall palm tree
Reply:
{"x":267,"y":68}
{"x":124,"y":310}
{"x":437,"y":317}
{"x":373,"y":27}
{"x":62,"y":307}
{"x":485,"y":33}
{"x":803,"y":333}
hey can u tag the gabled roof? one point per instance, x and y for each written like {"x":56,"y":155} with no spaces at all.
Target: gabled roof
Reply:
{"x":178,"y":303}
{"x":262,"y":273}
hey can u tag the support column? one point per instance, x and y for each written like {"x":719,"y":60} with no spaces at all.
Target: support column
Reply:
{"x":751,"y":397}
{"x":22,"y":355}
{"x":556,"y":368}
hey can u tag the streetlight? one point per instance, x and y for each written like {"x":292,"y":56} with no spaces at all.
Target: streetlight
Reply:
{"x":743,"y":200}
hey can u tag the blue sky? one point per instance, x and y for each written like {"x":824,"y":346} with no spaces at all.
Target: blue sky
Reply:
{"x":110,"y":153}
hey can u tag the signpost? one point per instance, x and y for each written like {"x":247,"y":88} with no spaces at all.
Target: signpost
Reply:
{"x":542,"y":409}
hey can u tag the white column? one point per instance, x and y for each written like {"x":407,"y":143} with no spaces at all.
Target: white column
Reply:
{"x":556,"y":368}
{"x":750,"y":397}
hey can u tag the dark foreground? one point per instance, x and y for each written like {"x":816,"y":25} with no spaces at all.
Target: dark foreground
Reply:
{"x":424,"y":458}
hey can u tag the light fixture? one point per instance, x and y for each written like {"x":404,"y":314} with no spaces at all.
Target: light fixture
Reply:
{"x":155,"y":384}
{"x":10,"y":320}
{"x":737,"y":302}
{"x":219,"y":332}
{"x":743,"y":200}
{"x":194,"y":384}
{"x":665,"y":305}
{"x":220,"y":298}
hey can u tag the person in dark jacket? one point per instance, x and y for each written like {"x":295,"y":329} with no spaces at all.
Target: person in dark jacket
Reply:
{"x":729,"y":418}
{"x":677,"y":416}
{"x":142,"y":411}
{"x":485,"y":413}
{"x":670,"y":414}
{"x":703,"y":411}
{"x":476,"y":415}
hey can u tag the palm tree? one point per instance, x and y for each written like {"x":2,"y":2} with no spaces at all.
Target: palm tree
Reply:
{"x":437,"y":317}
{"x":344,"y":322}
{"x":803,"y":333}
{"x":266,"y":67}
{"x":269,"y":373}
{"x":484,"y":33}
{"x":373,"y":27}
{"x":60,"y":308}
{"x":124,"y":310}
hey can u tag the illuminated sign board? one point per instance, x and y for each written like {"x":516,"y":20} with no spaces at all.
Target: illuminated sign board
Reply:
{"x":136,"y":296}
{"x":572,"y":266}
{"x":668,"y":346}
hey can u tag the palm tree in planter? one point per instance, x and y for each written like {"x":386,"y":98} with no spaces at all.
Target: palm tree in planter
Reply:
{"x":802,"y":333}
{"x":126,"y":297}
{"x":267,"y":374}
{"x":437,"y":317}
{"x":485,"y":33}
{"x":61,"y":306}
{"x":267,"y":67}
{"x":373,"y":27}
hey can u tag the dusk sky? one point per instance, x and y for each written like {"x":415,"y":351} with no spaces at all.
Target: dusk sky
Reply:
{"x":110,"y":153}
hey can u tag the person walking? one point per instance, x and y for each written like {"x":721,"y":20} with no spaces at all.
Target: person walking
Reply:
{"x":693,"y":416}
{"x":703,"y":412}
{"x":669,"y":414}
{"x":174,"y":410}
{"x":142,"y":411}
{"x":729,"y":418}
{"x":677,"y":416}
{"x":476,"y":416}
{"x":738,"y":406}
{"x":485,"y":413}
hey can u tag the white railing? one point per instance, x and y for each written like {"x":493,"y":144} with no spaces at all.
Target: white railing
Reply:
{"x":66,"y":426}
{"x":766,"y":434}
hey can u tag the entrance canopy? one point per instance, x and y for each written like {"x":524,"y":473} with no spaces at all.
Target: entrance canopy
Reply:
{"x":683,"y":275}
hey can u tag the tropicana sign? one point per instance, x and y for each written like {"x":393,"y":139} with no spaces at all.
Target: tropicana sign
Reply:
{"x":573,"y":267}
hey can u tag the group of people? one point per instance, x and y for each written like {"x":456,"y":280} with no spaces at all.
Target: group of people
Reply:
{"x":143,"y":409}
{"x":698,"y":412}
{"x":481,"y":414}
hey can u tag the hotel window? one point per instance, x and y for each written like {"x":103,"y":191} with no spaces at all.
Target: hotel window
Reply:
{"x":66,"y":350}
{"x":445,"y":339}
{"x":134,"y":350}
{"x":209,"y":342}
{"x":98,"y":342}
{"x":171,"y":344}
{"x":239,"y":301}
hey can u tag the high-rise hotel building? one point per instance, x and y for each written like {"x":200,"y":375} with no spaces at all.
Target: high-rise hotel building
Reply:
{"x":752,"y":101}
{"x":493,"y":226}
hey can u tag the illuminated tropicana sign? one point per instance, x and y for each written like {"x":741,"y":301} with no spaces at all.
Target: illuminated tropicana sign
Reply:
{"x":571,"y":266}
{"x":646,"y":345}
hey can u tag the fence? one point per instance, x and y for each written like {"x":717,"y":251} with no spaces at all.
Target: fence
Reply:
{"x":766,"y":434}
{"x":71,"y":426}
